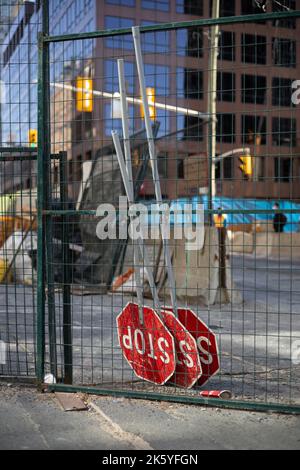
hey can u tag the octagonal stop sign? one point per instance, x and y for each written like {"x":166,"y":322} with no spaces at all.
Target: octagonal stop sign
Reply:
{"x":148,"y":346}
{"x":206,"y":342}
{"x":188,"y":366}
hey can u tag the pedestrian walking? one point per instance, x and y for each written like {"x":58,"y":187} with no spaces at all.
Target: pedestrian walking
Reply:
{"x":279,"y":219}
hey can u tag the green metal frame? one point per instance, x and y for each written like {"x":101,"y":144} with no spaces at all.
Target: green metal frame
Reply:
{"x":43,"y":157}
{"x":190,"y":400}
{"x":45,"y":213}
{"x":176,"y":25}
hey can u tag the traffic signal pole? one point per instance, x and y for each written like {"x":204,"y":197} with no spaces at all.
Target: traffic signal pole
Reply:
{"x":211,"y":106}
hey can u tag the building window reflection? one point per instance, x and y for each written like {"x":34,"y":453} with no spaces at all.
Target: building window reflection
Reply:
{"x":119,"y":42}
{"x":189,"y":83}
{"x":190,"y":7}
{"x":161,"y":5}
{"x":157,"y":77}
{"x":111,"y":82}
{"x":156,"y":42}
{"x":190,"y":42}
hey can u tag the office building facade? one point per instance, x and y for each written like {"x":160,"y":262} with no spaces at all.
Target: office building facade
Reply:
{"x":258,"y":64}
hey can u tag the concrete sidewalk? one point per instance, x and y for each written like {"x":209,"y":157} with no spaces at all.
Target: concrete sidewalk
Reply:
{"x":31,"y":420}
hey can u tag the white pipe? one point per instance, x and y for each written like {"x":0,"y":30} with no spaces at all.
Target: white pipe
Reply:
{"x":153,"y":160}
{"x":242,"y":150}
{"x":125,"y":120}
{"x":136,"y":101}
{"x":129,"y":193}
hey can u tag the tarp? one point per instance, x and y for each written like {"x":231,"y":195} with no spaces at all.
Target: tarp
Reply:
{"x":253,"y":205}
{"x":240,"y":205}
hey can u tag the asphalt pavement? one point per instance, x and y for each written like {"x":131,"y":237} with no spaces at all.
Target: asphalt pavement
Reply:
{"x":33,"y":420}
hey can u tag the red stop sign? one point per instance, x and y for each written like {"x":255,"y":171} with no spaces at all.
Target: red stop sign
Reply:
{"x":148,"y":346}
{"x":206,"y":342}
{"x":188,"y":367}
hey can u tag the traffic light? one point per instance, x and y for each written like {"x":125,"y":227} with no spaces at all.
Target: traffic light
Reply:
{"x":84,"y":94}
{"x":32,"y":137}
{"x":246,"y":165}
{"x":151,"y":99}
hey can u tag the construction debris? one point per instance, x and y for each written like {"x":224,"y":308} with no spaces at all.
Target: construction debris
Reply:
{"x":70,"y":402}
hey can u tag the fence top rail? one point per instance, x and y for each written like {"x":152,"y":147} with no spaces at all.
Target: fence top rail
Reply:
{"x":175,"y":25}
{"x":18,"y":150}
{"x":92,"y":212}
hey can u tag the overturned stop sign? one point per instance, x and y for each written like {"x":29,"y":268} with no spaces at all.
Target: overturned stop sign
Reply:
{"x":188,"y":366}
{"x":206,"y":342}
{"x":148,"y":346}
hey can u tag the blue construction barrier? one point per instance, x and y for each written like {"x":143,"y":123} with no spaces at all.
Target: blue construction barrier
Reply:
{"x":241,"y":205}
{"x":254,"y":204}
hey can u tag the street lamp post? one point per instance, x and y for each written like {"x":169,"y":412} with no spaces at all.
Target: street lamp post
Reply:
{"x":211,"y":106}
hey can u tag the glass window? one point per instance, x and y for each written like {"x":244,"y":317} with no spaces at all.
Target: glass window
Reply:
{"x":126,"y":3}
{"x":228,"y":168}
{"x":161,"y":5}
{"x":250,"y":7}
{"x":254,"y":127}
{"x":284,"y":52}
{"x":226,"y":86}
{"x":162,"y":164}
{"x":227,"y":8}
{"x":111,"y":123}
{"x":79,"y":6}
{"x":63,"y":24}
{"x":281,"y":6}
{"x":119,"y":42}
{"x":284,"y":131}
{"x":283,"y":169}
{"x":71,"y":15}
{"x":157,"y":76}
{"x":254,"y":49}
{"x":190,"y":127}
{"x":227,"y":45}
{"x":156,"y":42}
{"x":254,"y":89}
{"x":190,"y":42}
{"x":190,"y":7}
{"x":111,"y":81}
{"x":282,"y":91}
{"x":163,"y":117}
{"x":189,"y":83}
{"x":225,"y":131}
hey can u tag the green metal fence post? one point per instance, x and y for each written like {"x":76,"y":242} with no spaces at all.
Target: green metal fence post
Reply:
{"x":50,"y":287}
{"x":43,"y":156}
{"x":66,"y":260}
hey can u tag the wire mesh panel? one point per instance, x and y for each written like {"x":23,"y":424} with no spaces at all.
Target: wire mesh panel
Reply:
{"x":242,"y":279}
{"x":19,"y":23}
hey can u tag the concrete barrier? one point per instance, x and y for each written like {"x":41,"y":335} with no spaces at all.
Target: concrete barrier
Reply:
{"x":240,"y":242}
{"x":285,"y":246}
{"x":198,"y":274}
{"x":265,"y":244}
